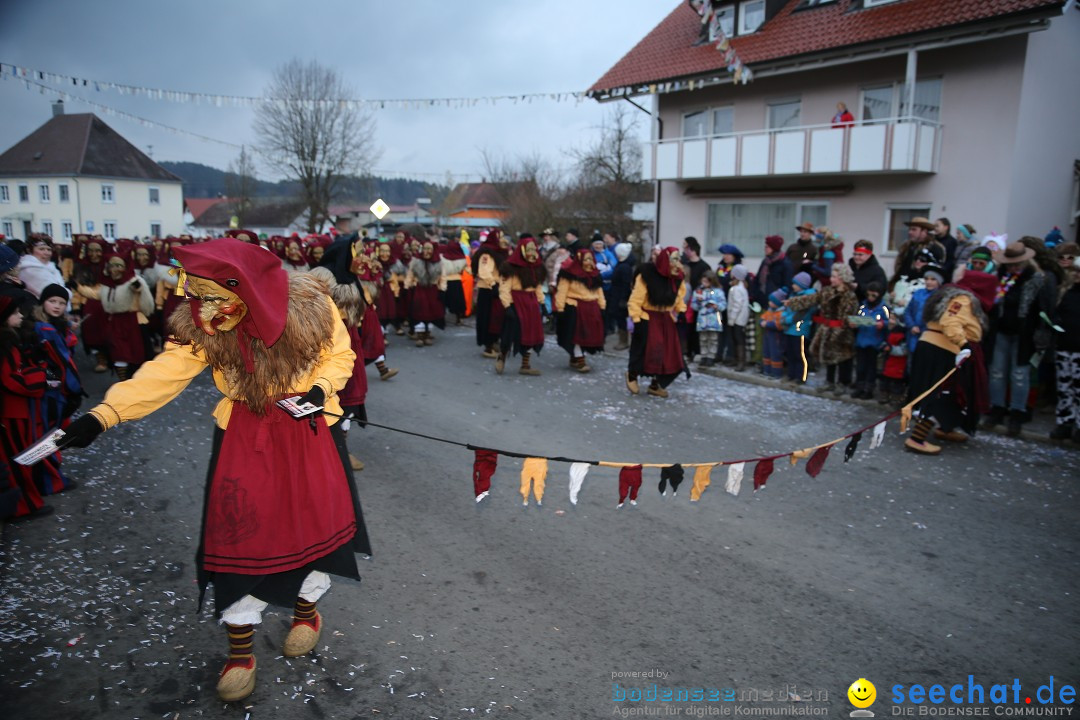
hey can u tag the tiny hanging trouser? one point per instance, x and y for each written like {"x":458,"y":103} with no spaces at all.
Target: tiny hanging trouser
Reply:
{"x":533,"y":474}
{"x":673,"y":474}
{"x":629,"y":483}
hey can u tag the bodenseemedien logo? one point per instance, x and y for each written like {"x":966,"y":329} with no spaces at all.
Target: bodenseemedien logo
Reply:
{"x":862,"y":694}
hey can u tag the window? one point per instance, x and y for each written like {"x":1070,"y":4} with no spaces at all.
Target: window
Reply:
{"x":885,"y":102}
{"x":5,"y":194}
{"x":784,"y":114}
{"x":155,"y":196}
{"x":24,"y":192}
{"x":43,"y":192}
{"x":62,"y":192}
{"x":716,"y":121}
{"x":46,"y":227}
{"x":695,"y":124}
{"x":872,"y":3}
{"x":751,"y":16}
{"x":66,"y":229}
{"x":107,"y":195}
{"x":723,"y":22}
{"x":723,"y":120}
{"x":896,"y":216}
{"x":813,"y":3}
{"x":155,"y":229}
{"x":745,"y":224}
{"x":9,"y":230}
{"x":108,"y":228}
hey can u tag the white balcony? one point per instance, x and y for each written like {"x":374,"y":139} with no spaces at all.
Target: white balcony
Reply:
{"x":900,"y":145}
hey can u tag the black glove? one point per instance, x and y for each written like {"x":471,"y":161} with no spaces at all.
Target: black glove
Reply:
{"x":81,"y":432}
{"x":315,"y":396}
{"x":71,"y":406}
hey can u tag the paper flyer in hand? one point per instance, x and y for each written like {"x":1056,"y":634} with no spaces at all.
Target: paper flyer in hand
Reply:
{"x":40,"y":450}
{"x":294,"y":408}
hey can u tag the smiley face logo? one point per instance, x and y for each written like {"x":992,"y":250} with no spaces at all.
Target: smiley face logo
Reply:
{"x":862,"y":693}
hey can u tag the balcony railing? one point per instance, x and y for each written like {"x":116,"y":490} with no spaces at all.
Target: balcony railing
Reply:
{"x":896,"y":145}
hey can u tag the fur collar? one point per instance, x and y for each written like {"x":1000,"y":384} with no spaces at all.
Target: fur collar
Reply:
{"x":309,"y":328}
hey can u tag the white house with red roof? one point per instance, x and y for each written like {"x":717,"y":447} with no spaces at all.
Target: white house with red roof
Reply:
{"x":965,"y":109}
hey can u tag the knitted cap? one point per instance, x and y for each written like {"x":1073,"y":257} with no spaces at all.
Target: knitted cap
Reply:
{"x":739,"y":272}
{"x":778,"y":297}
{"x":802,"y":280}
{"x":775,"y":242}
{"x":54,"y":290}
{"x":8,"y":258}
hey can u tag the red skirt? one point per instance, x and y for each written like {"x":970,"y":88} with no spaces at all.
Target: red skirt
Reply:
{"x":389,"y":307}
{"x":589,"y":325}
{"x":371,"y":337}
{"x":663,"y":350}
{"x":125,"y":339}
{"x":426,"y":305}
{"x":529,"y":318}
{"x":93,"y":325}
{"x":279,"y":498}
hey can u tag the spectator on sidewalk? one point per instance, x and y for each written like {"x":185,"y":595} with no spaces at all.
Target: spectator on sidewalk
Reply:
{"x":866,"y":268}
{"x":834,"y":341}
{"x":797,"y":321}
{"x":738,"y":314}
{"x":869,"y":338}
{"x":773,"y":274}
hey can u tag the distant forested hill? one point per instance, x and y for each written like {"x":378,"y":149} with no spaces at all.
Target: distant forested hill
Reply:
{"x":205,"y":181}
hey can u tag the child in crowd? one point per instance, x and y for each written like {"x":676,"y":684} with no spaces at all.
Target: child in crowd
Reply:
{"x":869,"y":337}
{"x":798,"y":311}
{"x":834,"y":341}
{"x":894,"y":369}
{"x":708,"y":302}
{"x":23,"y":382}
{"x":738,"y":313}
{"x":772,"y":352}
{"x":932,"y":279}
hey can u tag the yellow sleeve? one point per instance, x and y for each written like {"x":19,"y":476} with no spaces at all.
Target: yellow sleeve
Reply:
{"x":410,"y":279}
{"x":601,"y":300}
{"x":680,"y":300}
{"x":540,"y":293}
{"x":504,"y":292}
{"x":635,"y":305}
{"x":90,"y":292}
{"x":485,"y":269}
{"x":335,"y":364}
{"x":156,"y":383}
{"x":561,"y":291}
{"x":442,"y":282}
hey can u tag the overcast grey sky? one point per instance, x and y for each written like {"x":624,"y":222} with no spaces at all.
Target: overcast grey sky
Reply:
{"x":412,"y":49}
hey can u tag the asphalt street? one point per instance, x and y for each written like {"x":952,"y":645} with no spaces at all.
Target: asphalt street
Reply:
{"x":894,"y":567}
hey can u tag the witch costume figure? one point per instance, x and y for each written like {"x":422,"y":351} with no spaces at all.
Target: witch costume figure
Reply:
{"x":281,"y":511}
{"x":521,"y":290}
{"x":579,"y":308}
{"x":658,"y":296}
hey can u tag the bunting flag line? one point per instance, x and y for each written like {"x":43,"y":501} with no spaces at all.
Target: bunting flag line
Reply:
{"x":21,"y":72}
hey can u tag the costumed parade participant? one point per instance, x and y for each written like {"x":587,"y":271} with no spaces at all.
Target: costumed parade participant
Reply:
{"x":64,"y":392}
{"x":36,"y":268}
{"x":89,"y":269}
{"x":128,"y":304}
{"x":351,"y":306}
{"x":294,"y":261}
{"x":281,"y":512}
{"x":579,"y":307}
{"x":454,"y":264}
{"x":24,"y":383}
{"x":351,"y":265}
{"x":521,"y":290}
{"x":486,"y":260}
{"x":657,"y":298}
{"x":390,"y":307}
{"x":424,"y":279}
{"x":954,"y":323}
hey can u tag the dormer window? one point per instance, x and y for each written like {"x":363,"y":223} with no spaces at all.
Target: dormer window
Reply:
{"x":875,"y":3}
{"x":813,"y":3}
{"x":722,"y":22}
{"x":751,"y":16}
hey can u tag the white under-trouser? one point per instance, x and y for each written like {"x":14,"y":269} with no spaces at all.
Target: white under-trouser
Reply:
{"x":248,"y":610}
{"x":420,"y":327}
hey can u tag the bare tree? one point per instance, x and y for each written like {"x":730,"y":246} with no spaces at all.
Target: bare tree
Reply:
{"x":308,"y":133}
{"x":608,"y":176}
{"x":240,"y":184}
{"x":530,"y":188}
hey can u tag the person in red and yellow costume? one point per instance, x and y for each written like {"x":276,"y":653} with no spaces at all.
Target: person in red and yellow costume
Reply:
{"x":658,"y":297}
{"x":424,"y":278}
{"x":282,"y":513}
{"x":521,"y":290}
{"x":579,"y":303}
{"x":391,"y":303}
{"x":485,"y":262}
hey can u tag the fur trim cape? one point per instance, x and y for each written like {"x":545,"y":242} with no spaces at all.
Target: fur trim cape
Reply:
{"x":309,"y":329}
